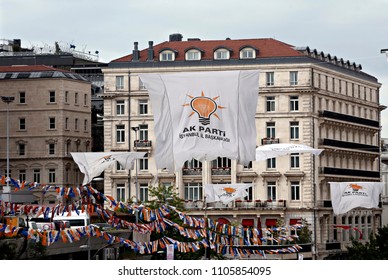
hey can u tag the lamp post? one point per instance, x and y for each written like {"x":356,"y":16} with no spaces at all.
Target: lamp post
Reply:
{"x":7,"y":100}
{"x":136,"y":129}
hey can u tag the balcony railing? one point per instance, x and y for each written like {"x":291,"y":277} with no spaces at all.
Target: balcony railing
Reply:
{"x":349,"y":172}
{"x":349,"y":145}
{"x":266,"y":141}
{"x":348,"y":118}
{"x":236,"y":205}
{"x":221,"y":171}
{"x":192,"y":171}
{"x":142,"y":144}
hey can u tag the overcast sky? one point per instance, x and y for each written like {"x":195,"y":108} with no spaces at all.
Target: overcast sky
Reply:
{"x":355,"y":30}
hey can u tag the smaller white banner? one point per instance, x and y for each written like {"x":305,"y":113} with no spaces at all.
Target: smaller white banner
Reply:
{"x":225,"y":192}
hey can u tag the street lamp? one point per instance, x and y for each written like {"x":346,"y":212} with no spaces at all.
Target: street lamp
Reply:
{"x":7,"y":100}
{"x":136,"y":129}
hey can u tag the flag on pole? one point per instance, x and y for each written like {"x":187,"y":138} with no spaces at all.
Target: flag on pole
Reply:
{"x":274,"y":150}
{"x":93,"y":164}
{"x":225,"y":192}
{"x":346,"y":196}
{"x":203,"y":115}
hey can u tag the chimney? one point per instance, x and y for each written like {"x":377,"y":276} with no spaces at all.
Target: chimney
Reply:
{"x":150,"y":51}
{"x":176,"y":37}
{"x":136,"y":53}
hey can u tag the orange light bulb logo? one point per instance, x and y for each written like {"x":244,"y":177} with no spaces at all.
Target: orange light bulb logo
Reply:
{"x":204,"y":107}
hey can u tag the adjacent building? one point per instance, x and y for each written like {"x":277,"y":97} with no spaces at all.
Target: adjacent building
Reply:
{"x":49,"y":117}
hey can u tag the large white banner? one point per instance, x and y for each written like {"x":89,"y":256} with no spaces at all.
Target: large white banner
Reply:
{"x":348,"y":195}
{"x":274,"y":150}
{"x":203,"y":115}
{"x":93,"y":164}
{"x":225,"y":192}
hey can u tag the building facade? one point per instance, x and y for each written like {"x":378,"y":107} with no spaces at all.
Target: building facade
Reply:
{"x":49,"y":118}
{"x":305,"y":97}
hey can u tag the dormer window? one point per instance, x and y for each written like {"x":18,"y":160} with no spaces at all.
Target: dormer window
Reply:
{"x":221,"y":54}
{"x":167,"y":56}
{"x":193,"y":55}
{"x":247,"y":53}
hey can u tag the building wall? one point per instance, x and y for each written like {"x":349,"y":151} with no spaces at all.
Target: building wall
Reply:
{"x":37,"y":135}
{"x":319,"y":89}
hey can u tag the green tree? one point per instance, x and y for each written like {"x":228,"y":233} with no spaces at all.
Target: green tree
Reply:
{"x":375,"y":249}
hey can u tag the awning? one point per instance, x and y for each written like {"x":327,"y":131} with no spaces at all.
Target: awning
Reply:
{"x":247,"y":222}
{"x":271,"y":222}
{"x":295,"y":221}
{"x":223,"y":221}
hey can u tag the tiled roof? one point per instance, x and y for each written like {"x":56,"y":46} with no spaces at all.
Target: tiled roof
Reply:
{"x":267,"y":48}
{"x":36,"y":71}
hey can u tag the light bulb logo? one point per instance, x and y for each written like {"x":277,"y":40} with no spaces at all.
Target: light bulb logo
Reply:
{"x":205,"y":107}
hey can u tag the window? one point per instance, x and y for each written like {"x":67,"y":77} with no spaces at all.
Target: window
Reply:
{"x":270,"y":103}
{"x":51,"y":176}
{"x":271,"y":132}
{"x":119,"y":82}
{"x":66,"y":96}
{"x":271,"y":163}
{"x":22,"y":175}
{"x":193,"y":164}
{"x":294,"y":130}
{"x":143,"y":132}
{"x":22,"y":97}
{"x":51,"y":149}
{"x":22,"y":149}
{"x":76,"y":124}
{"x":271,"y":191}
{"x":143,"y":107}
{"x":294,"y":103}
{"x":66,"y":123}
{"x":247,"y":53}
{"x":85,"y":99}
{"x":120,"y":107}
{"x":36,"y":174}
{"x":193,"y":55}
{"x":119,"y":167}
{"x":295,"y":191}
{"x":76,"y":98}
{"x":294,"y":158}
{"x":222,"y":162}
{"x":52,"y":123}
{"x":250,"y":193}
{"x":167,"y":56}
{"x":270,"y":78}
{"x":120,"y":192}
{"x":143,"y":189}
{"x":193,"y":191}
{"x":120,"y":133}
{"x":221,"y":54}
{"x":248,"y":166}
{"x":85,"y":125}
{"x":293,"y":78}
{"x":52,"y":96}
{"x":22,"y":124}
{"x":143,"y":163}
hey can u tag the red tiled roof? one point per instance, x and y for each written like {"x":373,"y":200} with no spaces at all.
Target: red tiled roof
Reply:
{"x":28,"y":68}
{"x":267,"y":48}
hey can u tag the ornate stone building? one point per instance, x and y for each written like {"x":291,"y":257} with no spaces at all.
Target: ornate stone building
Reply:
{"x":305,"y":97}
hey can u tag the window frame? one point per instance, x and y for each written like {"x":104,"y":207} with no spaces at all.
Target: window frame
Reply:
{"x":294,"y":103}
{"x":193,"y":52}
{"x":119,"y":82}
{"x":270,"y":103}
{"x":120,"y":107}
{"x":271,"y":191}
{"x":293,"y":78}
{"x":270,"y":78}
{"x":295,"y":191}
{"x":52,"y":123}
{"x":143,"y":107}
{"x":120,"y":192}
{"x":295,"y":161}
{"x":294,"y":130}
{"x":193,"y":191}
{"x":247,"y":50}
{"x":22,"y":97}
{"x":52,"y":97}
{"x":22,"y":124}
{"x":120,"y":133}
{"x":221,"y":54}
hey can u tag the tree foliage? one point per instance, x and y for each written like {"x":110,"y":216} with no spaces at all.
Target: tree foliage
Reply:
{"x":375,"y":249}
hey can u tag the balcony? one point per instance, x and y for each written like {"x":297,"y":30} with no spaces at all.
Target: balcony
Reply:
{"x":348,"y":118}
{"x":266,"y":141}
{"x":221,"y":171}
{"x":192,"y":171}
{"x":142,"y":144}
{"x":349,"y":172}
{"x":349,"y":145}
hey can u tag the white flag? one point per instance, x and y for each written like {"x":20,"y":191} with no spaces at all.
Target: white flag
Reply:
{"x":347,"y":195}
{"x":225,"y":192}
{"x":93,"y":164}
{"x":203,"y":115}
{"x":274,"y":150}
